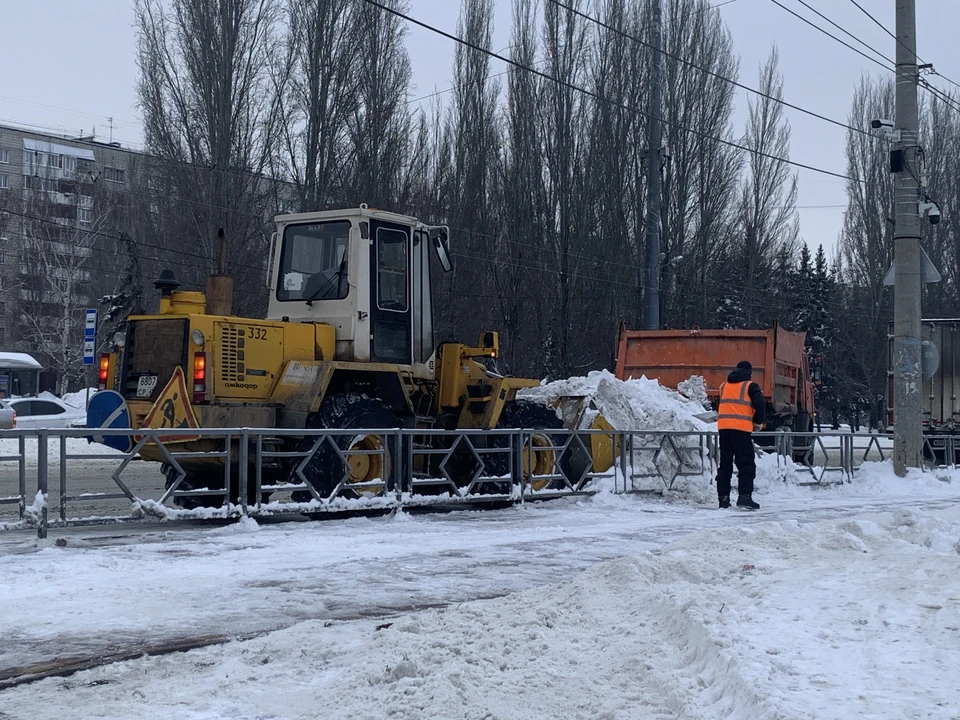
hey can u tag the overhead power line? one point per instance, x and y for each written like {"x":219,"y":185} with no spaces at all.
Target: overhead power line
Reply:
{"x":595,"y":96}
{"x":845,"y":31}
{"x":830,"y":35}
{"x":707,"y":71}
{"x":883,"y":27}
{"x":926,"y":85}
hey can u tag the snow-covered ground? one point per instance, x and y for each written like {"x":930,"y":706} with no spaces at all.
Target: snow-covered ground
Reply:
{"x":835,"y":601}
{"x":829,"y":603}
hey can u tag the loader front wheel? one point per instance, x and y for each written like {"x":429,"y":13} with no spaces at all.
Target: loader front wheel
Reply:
{"x":369,"y":462}
{"x":539,"y":459}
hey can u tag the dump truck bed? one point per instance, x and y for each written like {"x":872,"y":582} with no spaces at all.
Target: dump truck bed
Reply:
{"x":672,"y":356}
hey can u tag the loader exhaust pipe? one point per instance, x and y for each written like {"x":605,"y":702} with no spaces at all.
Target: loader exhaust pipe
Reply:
{"x":220,"y":286}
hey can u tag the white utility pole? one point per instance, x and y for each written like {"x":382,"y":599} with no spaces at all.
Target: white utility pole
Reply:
{"x":907,"y":350}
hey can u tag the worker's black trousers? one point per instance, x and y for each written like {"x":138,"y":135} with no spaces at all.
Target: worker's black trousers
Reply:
{"x":736,"y":445}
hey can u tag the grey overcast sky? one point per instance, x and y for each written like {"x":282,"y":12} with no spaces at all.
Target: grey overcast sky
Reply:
{"x":71,"y":67}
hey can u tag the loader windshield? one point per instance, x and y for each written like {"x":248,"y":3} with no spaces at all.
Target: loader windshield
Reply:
{"x":313,"y":262}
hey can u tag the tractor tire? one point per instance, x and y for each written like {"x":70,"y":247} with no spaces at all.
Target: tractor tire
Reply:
{"x":193,"y":481}
{"x":325,"y":470}
{"x":532,"y":416}
{"x":212,"y":480}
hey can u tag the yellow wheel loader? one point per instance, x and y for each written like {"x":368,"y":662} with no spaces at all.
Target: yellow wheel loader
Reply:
{"x":348,"y":342}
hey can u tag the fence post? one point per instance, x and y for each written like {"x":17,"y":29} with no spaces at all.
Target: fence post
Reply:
{"x":403,"y":467}
{"x":259,"y":472}
{"x":242,"y":470}
{"x":63,"y":478}
{"x":516,"y":463}
{"x":23,"y":475}
{"x":623,"y":462}
{"x":42,"y":482}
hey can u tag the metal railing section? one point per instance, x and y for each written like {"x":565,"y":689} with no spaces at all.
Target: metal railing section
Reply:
{"x":219,"y":473}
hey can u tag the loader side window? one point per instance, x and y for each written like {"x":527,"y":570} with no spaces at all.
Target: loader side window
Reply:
{"x":422,"y":307}
{"x":313,"y":262}
{"x":392,"y":270}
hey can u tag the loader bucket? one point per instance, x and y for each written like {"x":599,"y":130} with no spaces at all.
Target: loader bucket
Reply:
{"x":578,"y":413}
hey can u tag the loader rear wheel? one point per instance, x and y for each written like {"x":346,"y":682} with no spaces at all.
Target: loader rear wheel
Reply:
{"x":194,"y":481}
{"x":370,"y":463}
{"x":214,"y":481}
{"x":539,"y":459}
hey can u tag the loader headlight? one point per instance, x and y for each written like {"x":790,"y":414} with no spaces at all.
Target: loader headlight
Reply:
{"x":197,"y":337}
{"x":119,"y":339}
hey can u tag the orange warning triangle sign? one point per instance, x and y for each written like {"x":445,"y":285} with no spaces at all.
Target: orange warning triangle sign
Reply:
{"x":173,"y":409}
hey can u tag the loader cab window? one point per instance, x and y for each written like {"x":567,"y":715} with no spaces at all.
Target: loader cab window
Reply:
{"x":392,"y":270}
{"x":422,"y":305}
{"x":313,"y":262}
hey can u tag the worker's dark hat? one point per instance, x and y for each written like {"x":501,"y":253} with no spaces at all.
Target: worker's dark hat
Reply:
{"x":744,"y":365}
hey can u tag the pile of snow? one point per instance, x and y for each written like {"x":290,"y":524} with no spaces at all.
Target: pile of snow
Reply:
{"x":639,"y":405}
{"x":79,"y":399}
{"x":647,"y":409}
{"x":833,"y":619}
{"x":695,"y":388}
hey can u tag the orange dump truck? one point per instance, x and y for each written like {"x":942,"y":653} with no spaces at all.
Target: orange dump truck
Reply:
{"x":780,"y":365}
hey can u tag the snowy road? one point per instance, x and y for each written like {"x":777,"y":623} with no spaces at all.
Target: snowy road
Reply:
{"x":133,"y":585}
{"x":786,"y":613}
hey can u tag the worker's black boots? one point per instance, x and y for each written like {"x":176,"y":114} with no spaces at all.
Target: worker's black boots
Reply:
{"x":744,"y":502}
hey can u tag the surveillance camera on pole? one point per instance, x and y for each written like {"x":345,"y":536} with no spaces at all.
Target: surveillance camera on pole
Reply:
{"x":931,"y":210}
{"x":885,"y":126}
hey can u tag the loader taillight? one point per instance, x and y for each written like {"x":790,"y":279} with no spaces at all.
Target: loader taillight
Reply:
{"x":199,"y":377}
{"x":104,"y":374}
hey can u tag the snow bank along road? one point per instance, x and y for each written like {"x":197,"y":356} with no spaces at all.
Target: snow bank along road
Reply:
{"x":613,"y":607}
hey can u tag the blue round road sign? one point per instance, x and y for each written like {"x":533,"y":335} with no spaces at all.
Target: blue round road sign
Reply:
{"x":108,"y":410}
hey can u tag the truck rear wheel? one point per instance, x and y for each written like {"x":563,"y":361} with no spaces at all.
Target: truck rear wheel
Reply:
{"x":801,"y":446}
{"x":372,"y":462}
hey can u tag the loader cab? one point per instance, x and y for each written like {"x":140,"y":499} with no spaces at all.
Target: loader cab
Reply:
{"x":367,"y":273}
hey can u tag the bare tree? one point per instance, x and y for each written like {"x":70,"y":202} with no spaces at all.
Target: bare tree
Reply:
{"x":471,"y":188}
{"x":866,"y":244}
{"x":210,"y":118}
{"x":767,"y":223}
{"x":701,"y":176}
{"x":318,"y":77}
{"x":380,"y":122}
{"x":65,"y":257}
{"x":564,"y":122}
{"x":523,"y":204}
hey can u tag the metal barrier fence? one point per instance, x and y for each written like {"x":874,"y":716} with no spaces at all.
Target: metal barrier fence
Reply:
{"x":218,"y":473}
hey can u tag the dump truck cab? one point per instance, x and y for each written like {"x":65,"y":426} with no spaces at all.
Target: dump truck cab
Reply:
{"x":364,"y":272}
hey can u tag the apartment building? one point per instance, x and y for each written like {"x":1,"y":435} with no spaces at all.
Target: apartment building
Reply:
{"x":53,"y":192}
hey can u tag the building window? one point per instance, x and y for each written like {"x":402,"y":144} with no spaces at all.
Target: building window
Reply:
{"x":5,"y":157}
{"x":113,"y":174}
{"x":85,"y":216}
{"x":3,"y":252}
{"x":4,"y":180}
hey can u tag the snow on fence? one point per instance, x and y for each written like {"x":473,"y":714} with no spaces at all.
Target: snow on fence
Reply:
{"x":58,"y":478}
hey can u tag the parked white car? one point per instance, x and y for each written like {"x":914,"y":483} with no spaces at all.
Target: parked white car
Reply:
{"x":45,"y":412}
{"x":8,"y":417}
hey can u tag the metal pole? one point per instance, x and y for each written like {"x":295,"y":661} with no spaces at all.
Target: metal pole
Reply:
{"x":907,"y":405}
{"x":652,"y":290}
{"x":42,"y":482}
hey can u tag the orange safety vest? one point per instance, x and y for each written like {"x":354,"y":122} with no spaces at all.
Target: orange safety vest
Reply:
{"x":735,"y":411}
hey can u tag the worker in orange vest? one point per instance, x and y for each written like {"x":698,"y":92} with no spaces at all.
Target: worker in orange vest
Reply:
{"x":741,"y":411}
